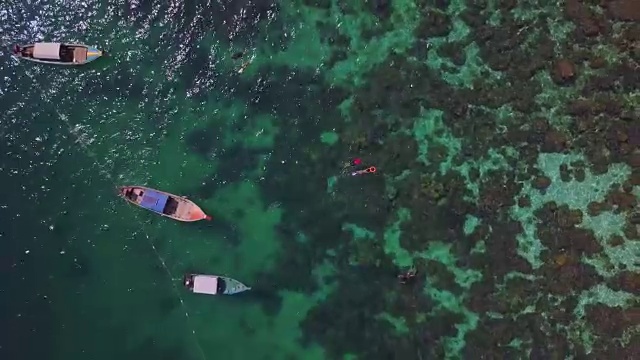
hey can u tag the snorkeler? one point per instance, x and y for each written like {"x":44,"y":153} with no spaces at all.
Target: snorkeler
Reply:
{"x":369,"y":170}
{"x":347,"y":168}
{"x":347,"y":165}
{"x":407,"y":277}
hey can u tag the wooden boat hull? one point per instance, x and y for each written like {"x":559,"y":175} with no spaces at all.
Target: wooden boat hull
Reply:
{"x":163,"y":203}
{"x":213,"y":284}
{"x":71,"y":55}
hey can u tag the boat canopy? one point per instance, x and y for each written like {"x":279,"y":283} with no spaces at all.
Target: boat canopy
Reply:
{"x":47,"y":51}
{"x":153,"y":200}
{"x":204,"y":284}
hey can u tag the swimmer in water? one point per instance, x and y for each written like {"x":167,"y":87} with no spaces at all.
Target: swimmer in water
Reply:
{"x":347,"y":165}
{"x":408,"y":277}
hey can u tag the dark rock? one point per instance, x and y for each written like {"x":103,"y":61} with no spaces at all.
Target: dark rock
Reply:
{"x":381,"y":8}
{"x":634,"y":219}
{"x":540,"y":126}
{"x":525,"y":201}
{"x":624,"y":148}
{"x":433,"y":24}
{"x":594,"y":208}
{"x":569,"y":219}
{"x":581,"y":107}
{"x":587,"y":24}
{"x":554,"y":141}
{"x":624,"y":201}
{"x":590,"y":27}
{"x":628,"y":281}
{"x":597,"y":62}
{"x":541,"y":182}
{"x":607,"y":321}
{"x":626,"y":10}
{"x":565,"y":174}
{"x":453,"y":51}
{"x":616,"y":240}
{"x":582,"y":241}
{"x":635,"y":177}
{"x":571,"y":277}
{"x":634,"y":160}
{"x":585,"y":124}
{"x":631,"y":230}
{"x":564,"y":72}
{"x":508,"y":4}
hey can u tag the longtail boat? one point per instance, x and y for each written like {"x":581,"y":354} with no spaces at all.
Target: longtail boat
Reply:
{"x":213,"y":284}
{"x":176,"y":207}
{"x":57,"y":53}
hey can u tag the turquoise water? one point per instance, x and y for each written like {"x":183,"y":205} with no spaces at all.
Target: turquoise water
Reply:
{"x":518,"y":211}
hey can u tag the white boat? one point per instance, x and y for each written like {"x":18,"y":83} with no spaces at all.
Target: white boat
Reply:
{"x":213,"y":284}
{"x":57,"y":53}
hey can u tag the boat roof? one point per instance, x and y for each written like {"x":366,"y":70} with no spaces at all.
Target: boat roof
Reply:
{"x":154,"y":200}
{"x":49,"y":51}
{"x":205,"y":284}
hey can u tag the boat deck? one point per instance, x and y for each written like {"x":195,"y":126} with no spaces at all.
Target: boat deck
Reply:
{"x":80,"y":54}
{"x":166,"y":204}
{"x":183,"y":210}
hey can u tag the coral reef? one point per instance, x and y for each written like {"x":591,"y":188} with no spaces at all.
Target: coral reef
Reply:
{"x":458,"y":114}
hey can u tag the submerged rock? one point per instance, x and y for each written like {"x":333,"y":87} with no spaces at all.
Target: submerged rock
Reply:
{"x":525,"y":201}
{"x":597,"y":62}
{"x":634,"y":160}
{"x":564,"y":72}
{"x":554,"y":141}
{"x":626,"y":10}
{"x":595,"y":208}
{"x":624,"y":201}
{"x":541,"y":182}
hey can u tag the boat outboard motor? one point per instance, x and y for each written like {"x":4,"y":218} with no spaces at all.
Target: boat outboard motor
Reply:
{"x":188,"y":281}
{"x":16,"y":49}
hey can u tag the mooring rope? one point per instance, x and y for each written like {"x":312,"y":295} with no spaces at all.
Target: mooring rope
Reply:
{"x":75,"y":131}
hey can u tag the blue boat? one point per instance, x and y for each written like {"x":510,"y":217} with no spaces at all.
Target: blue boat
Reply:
{"x":162,"y":203}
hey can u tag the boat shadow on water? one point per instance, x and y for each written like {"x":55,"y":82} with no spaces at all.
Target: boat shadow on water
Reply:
{"x":223,"y":229}
{"x":262,"y":294}
{"x":269,"y":299}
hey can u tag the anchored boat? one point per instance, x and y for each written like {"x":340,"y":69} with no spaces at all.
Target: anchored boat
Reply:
{"x":57,"y":53}
{"x":162,"y":203}
{"x":213,"y":284}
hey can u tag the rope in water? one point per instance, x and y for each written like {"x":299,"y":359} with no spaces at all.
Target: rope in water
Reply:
{"x":103,"y":171}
